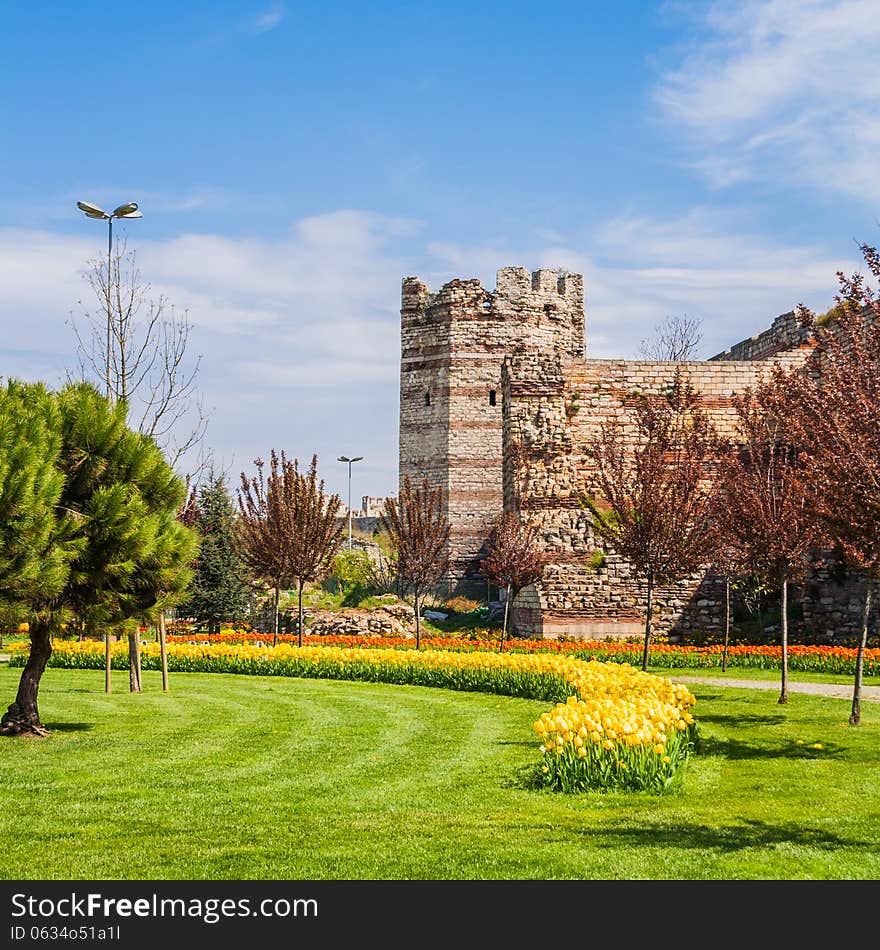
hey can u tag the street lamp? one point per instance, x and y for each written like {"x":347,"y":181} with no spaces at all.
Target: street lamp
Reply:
{"x":345,"y":458}
{"x":129,"y":210}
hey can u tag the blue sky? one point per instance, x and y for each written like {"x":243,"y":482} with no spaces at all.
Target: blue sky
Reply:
{"x":293,"y":161}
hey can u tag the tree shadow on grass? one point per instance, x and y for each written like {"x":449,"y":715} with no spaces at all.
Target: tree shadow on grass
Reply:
{"x":69,"y":726}
{"x":527,"y":778}
{"x":788,"y":749}
{"x":746,"y":719}
{"x":728,"y":838}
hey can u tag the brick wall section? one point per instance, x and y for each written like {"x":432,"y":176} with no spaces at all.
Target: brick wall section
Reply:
{"x":453,"y":343}
{"x":785,"y":333}
{"x":553,"y":406}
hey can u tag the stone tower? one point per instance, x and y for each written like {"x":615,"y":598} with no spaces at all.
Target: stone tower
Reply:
{"x":453,"y":343}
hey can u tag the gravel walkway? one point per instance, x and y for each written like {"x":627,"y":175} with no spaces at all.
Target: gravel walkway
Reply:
{"x":834,"y":690}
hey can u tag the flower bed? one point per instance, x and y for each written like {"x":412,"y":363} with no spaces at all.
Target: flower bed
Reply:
{"x":612,"y":727}
{"x":805,"y":659}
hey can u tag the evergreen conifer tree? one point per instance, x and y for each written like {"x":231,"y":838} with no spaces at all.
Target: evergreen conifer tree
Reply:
{"x":112,"y":516}
{"x":31,"y":563}
{"x":220,"y":589}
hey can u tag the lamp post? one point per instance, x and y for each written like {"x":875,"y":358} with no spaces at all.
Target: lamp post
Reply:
{"x":345,"y":458}
{"x":129,"y":210}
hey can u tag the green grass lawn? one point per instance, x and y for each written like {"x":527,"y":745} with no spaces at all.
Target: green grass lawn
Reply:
{"x":241,"y":777}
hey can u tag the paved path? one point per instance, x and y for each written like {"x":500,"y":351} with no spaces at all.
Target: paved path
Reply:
{"x":834,"y":690}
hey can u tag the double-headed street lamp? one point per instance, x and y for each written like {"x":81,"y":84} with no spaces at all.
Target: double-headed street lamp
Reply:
{"x":129,"y":210}
{"x":345,"y":458}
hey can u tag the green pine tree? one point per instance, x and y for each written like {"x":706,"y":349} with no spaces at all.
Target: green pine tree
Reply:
{"x":31,"y":562}
{"x":112,"y":518}
{"x":220,"y":590}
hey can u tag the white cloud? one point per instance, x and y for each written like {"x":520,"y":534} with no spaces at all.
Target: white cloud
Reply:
{"x":781,"y":88}
{"x":292,"y":328}
{"x":268,"y":19}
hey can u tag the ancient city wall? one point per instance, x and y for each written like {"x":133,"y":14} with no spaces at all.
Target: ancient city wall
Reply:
{"x":553,"y":408}
{"x":497,"y":404}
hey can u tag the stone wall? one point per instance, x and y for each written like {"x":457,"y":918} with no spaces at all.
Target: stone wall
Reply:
{"x":553,"y":406}
{"x":833,"y":602}
{"x":785,"y":333}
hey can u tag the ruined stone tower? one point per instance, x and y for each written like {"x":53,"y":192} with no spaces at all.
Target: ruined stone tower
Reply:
{"x":453,"y":343}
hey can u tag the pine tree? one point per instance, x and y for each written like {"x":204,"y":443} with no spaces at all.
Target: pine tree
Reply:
{"x":112,"y":514}
{"x":34,"y":561}
{"x":165,"y":575}
{"x":220,"y":589}
{"x":30,"y":485}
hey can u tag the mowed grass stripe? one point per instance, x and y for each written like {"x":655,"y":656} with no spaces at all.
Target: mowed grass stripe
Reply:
{"x":244,"y":777}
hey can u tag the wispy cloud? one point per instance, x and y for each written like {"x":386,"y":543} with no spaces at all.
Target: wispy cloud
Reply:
{"x":268,"y":19}
{"x":782,"y":89}
{"x":299,"y":338}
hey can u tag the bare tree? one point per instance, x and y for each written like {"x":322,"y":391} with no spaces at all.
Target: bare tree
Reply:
{"x":136,"y":349}
{"x":290,"y":530}
{"x":838,"y":409}
{"x":419,"y":534}
{"x":650,"y":465}
{"x":676,"y":338}
{"x":512,"y":561}
{"x":765,"y":492}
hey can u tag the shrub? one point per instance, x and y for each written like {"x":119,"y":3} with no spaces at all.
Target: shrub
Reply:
{"x":461,"y":605}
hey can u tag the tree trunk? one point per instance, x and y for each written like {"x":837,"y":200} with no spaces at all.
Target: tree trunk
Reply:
{"x":134,"y":662}
{"x":855,"y":716}
{"x":418,"y":623}
{"x":649,"y":612}
{"x":726,"y":624}
{"x":163,"y":651}
{"x":275,"y":617}
{"x":23,"y":716}
{"x":107,"y":662}
{"x":506,"y":609}
{"x":783,"y":695}
{"x":300,"y":606}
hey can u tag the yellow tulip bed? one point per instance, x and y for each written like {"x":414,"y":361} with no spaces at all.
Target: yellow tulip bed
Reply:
{"x":613,"y":726}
